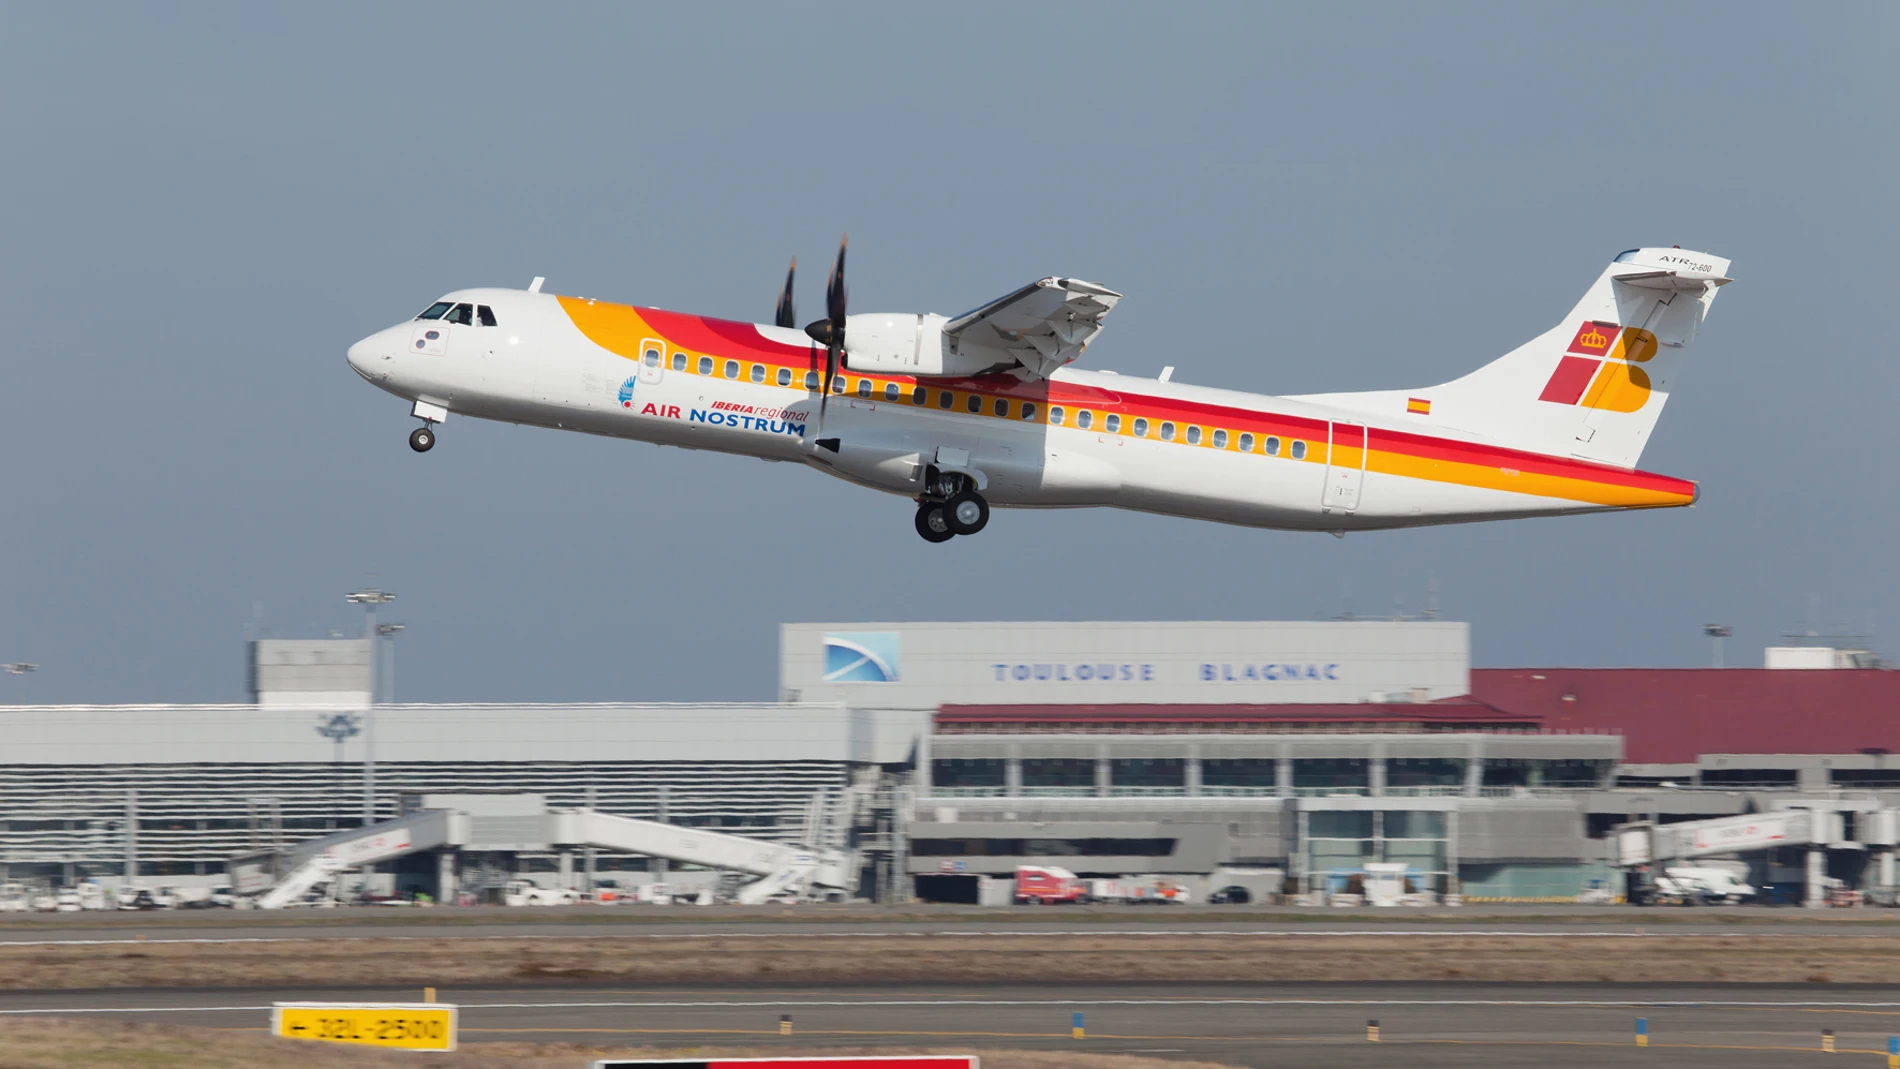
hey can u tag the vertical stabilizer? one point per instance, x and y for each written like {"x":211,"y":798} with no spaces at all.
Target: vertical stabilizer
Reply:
{"x":1591,"y":387}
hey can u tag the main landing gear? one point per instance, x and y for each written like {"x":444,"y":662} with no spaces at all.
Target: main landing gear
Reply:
{"x":955,"y":509}
{"x":422,"y":439}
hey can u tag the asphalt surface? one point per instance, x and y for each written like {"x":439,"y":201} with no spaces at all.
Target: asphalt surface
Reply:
{"x":595,"y":922}
{"x":1310,"y":1026}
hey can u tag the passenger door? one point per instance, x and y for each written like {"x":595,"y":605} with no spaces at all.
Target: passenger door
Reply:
{"x":1345,"y":467}
{"x":652,"y":361}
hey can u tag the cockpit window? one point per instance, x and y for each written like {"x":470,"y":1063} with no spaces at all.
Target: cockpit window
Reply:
{"x":435,"y":310}
{"x":484,"y":315}
{"x":462,"y":313}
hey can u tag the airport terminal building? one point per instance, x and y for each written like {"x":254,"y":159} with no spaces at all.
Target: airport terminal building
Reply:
{"x":1303,"y":750}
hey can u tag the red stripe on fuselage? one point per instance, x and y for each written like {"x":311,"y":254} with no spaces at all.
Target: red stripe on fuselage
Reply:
{"x":726,"y":338}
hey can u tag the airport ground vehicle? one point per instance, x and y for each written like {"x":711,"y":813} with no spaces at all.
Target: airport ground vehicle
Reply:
{"x":1143,"y":890}
{"x":1040,"y":885}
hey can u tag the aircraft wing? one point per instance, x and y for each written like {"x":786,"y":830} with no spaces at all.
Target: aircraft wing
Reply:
{"x":1042,"y":326}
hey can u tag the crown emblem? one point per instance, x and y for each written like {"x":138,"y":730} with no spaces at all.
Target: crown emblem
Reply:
{"x":1593,"y":338}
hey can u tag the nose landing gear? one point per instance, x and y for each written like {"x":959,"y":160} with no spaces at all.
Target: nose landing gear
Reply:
{"x":422,"y":439}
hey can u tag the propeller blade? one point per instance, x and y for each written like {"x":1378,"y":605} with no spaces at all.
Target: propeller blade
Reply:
{"x":787,"y":317}
{"x":830,"y":330}
{"x":835,"y":291}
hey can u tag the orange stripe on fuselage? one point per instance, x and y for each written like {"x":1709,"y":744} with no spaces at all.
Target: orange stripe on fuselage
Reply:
{"x":620,"y":329}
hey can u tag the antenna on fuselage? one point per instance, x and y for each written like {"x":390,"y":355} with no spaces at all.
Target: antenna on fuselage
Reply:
{"x":535,"y":286}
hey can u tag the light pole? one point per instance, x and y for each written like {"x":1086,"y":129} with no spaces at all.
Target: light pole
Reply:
{"x":1716,"y":633}
{"x":19,"y":668}
{"x":390,"y":631}
{"x":369,"y":599}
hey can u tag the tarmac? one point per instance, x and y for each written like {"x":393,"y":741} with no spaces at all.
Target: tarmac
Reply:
{"x":596,"y":922}
{"x":1312,"y":1026}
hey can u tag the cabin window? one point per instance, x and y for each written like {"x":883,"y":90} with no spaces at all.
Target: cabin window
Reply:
{"x":484,"y":315}
{"x":1055,"y":415}
{"x":1167,"y":431}
{"x":1113,"y":424}
{"x":1029,"y":410}
{"x":1085,"y":419}
{"x":1141,"y":427}
{"x":1001,"y":407}
{"x":811,"y":380}
{"x":1246,"y":443}
{"x":1298,"y":452}
{"x":1194,"y":436}
{"x":918,"y":395}
{"x":758,"y":372}
{"x":1220,"y":439}
{"x":732,"y":369}
{"x":679,"y":361}
{"x":864,"y":388}
{"x":705,"y":365}
{"x":784,"y":376}
{"x":891,"y":391}
{"x":463,"y":314}
{"x":838,"y":384}
{"x":975,"y":404}
{"x":436,"y":310}
{"x":946,"y":399}
{"x":652,"y":358}
{"x":1273,"y":446}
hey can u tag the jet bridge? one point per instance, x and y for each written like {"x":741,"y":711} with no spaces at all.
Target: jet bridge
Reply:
{"x":1816,"y":826}
{"x":1646,"y":843}
{"x":779,"y":869}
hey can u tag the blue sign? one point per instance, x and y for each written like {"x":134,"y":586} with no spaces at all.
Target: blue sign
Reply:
{"x":1059,"y":672}
{"x":1268,"y":673}
{"x":861,"y":657}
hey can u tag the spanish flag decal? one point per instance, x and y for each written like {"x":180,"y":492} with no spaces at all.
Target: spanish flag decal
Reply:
{"x":1418,"y":406}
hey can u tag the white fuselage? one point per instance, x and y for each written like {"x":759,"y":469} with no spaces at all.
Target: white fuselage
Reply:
{"x":1144,"y":444}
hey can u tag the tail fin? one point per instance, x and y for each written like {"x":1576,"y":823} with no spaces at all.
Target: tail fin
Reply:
{"x":1590,"y":387}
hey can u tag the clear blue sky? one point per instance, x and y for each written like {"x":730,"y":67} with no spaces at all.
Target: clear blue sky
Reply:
{"x":203,"y":206}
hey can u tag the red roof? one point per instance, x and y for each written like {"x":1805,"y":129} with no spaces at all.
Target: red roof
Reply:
{"x":1672,"y":715}
{"x":1439,"y":715}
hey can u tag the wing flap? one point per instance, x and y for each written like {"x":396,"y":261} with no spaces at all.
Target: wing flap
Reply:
{"x":1041,"y":326}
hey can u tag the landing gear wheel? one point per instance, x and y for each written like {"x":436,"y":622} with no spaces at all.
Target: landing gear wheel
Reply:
{"x":422,"y":439}
{"x":933,"y":522}
{"x":968,"y":512}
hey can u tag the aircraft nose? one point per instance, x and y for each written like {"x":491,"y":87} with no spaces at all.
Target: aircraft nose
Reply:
{"x":363,"y":357}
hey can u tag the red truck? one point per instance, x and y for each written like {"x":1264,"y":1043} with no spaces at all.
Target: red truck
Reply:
{"x":1039,"y":885}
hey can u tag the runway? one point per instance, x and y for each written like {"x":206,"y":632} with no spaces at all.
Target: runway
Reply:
{"x":594,"y":922}
{"x":1311,"y":1025}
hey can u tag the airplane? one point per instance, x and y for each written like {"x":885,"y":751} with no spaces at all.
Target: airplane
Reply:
{"x":960,"y":413}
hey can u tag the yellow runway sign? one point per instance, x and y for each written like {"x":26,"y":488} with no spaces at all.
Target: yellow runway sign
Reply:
{"x":409,"y":1025}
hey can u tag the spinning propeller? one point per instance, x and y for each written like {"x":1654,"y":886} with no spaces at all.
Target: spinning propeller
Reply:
{"x":829,"y":331}
{"x":787,"y":316}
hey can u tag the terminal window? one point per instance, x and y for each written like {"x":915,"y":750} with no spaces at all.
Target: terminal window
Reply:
{"x":1747,"y":777}
{"x":1150,"y":772}
{"x":1865,"y":778}
{"x":1043,"y":847}
{"x":1540,"y":772}
{"x":1331,"y":772}
{"x":967,"y":772}
{"x":1254,"y":773}
{"x":1058,"y":772}
{"x":1424,"y":772}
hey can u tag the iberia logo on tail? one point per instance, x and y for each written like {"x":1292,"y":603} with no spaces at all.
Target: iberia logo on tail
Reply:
{"x":1600,"y":370}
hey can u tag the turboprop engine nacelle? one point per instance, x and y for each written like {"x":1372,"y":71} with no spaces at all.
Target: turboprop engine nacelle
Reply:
{"x":907,"y":343}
